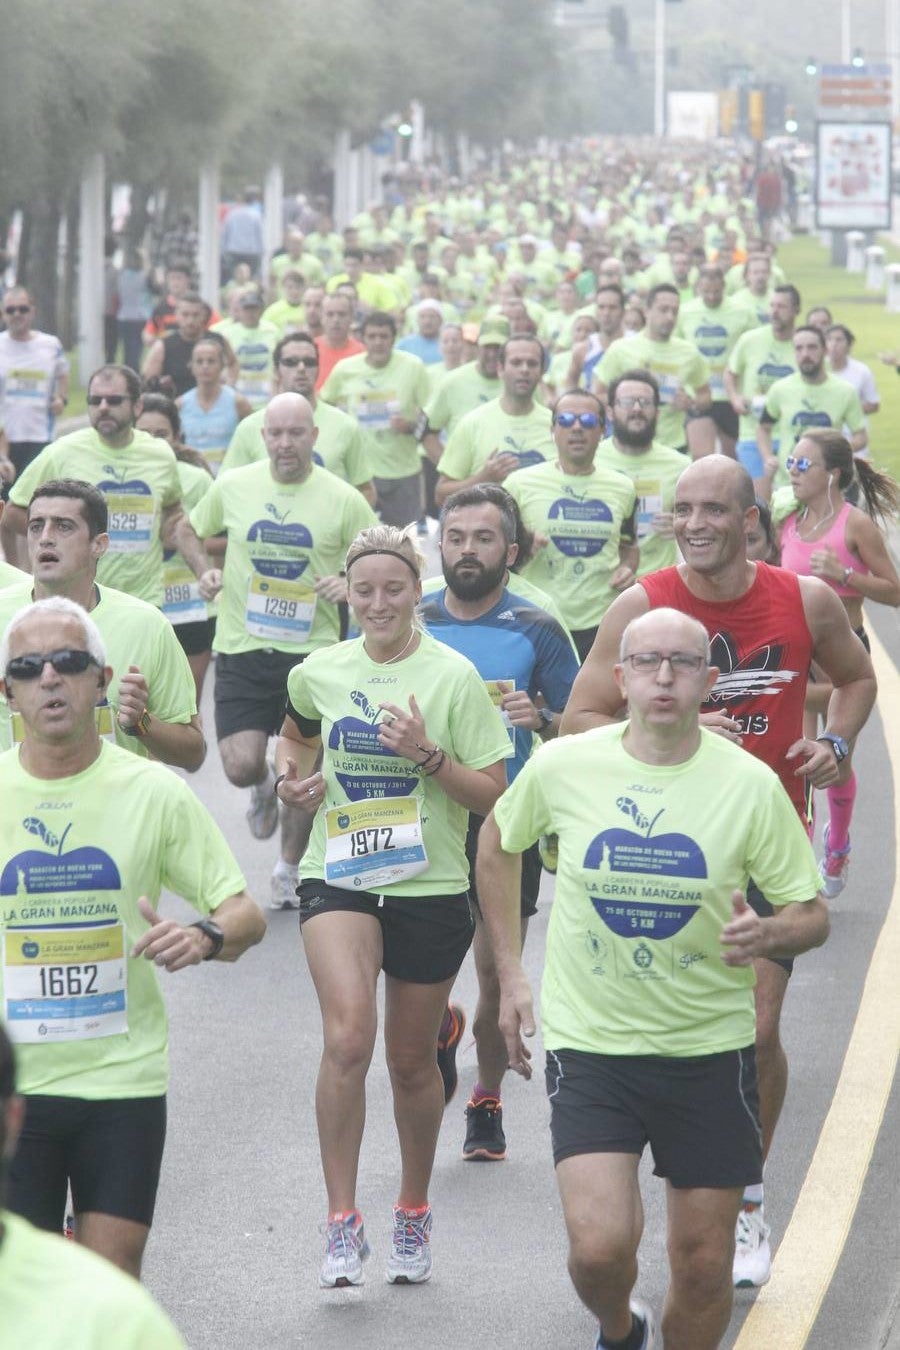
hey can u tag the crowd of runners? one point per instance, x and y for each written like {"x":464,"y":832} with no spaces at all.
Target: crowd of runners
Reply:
{"x":643,"y":668}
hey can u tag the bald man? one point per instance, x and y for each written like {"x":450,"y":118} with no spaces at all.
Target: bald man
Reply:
{"x":765,"y":627}
{"x":646,"y":1004}
{"x":289,"y":524}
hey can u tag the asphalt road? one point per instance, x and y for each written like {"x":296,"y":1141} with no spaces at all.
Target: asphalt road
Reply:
{"x":235,"y":1248}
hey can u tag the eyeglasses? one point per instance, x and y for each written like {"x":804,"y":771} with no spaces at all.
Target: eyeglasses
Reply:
{"x":800,"y":463}
{"x":66,"y":661}
{"x":112,"y":400}
{"x":17,"y":309}
{"x":628,"y":401}
{"x":291,"y":361}
{"x":567,"y":419}
{"x":681,"y":663}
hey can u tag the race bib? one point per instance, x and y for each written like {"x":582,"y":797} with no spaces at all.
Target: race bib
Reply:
{"x":183,"y":602}
{"x":496,"y":693}
{"x":376,"y":414}
{"x":669,"y":386}
{"x":717,"y":387}
{"x":649,"y":504}
{"x":27,"y":384}
{"x":65,"y":983}
{"x":279,"y":611}
{"x":370,"y":844}
{"x":131,"y":517}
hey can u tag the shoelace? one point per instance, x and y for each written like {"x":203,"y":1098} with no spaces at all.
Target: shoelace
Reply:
{"x":749,"y":1233}
{"x":410,"y":1235}
{"x":342,"y":1238}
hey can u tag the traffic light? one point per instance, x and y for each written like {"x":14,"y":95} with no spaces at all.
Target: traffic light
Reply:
{"x":857,"y":60}
{"x":811,"y":66}
{"x":791,"y":125}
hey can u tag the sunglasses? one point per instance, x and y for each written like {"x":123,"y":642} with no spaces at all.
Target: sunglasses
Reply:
{"x":66,"y":661}
{"x":17,"y":309}
{"x":567,"y":419}
{"x":801,"y":463}
{"x":628,"y":401}
{"x":112,"y":400}
{"x":292,"y":361}
{"x":680,"y":662}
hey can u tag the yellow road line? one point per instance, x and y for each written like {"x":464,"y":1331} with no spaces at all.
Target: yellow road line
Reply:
{"x":786,"y":1309}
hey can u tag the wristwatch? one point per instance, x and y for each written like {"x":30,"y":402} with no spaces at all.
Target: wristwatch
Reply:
{"x":838,"y":744}
{"x":215,"y":935}
{"x":546,"y":715}
{"x":141,"y":727}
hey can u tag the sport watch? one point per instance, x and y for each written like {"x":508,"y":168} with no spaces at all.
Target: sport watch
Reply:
{"x":215,"y":935}
{"x":838,"y":744}
{"x":141,"y":727}
{"x":546,"y":715}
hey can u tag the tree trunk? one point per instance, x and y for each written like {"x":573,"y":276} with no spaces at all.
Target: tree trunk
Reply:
{"x":38,"y":259}
{"x":67,"y":326}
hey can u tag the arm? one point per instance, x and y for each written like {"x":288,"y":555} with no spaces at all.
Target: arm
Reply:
{"x":242,"y":406}
{"x":368,"y":491}
{"x":495,"y":469}
{"x":184,"y":539}
{"x":791,"y":930}
{"x":180,"y":744}
{"x":60,"y":393}
{"x":859,"y":440}
{"x":296,"y":756}
{"x":881,"y":583}
{"x":737,"y":400}
{"x":596,"y":699}
{"x":15,"y":518}
{"x":845,"y":662}
{"x":433,"y":446}
{"x":404,"y":732}
{"x":699,"y":401}
{"x":7,"y":468}
{"x":177,"y":946}
{"x":154,"y":360}
{"x":498,"y":877}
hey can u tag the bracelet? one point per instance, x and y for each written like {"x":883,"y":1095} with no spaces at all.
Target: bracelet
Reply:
{"x":848,"y":573}
{"x":440,"y":764}
{"x":429,"y":755}
{"x":278,"y":781}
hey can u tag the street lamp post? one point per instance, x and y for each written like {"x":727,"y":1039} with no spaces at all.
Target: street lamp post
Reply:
{"x":659,"y":69}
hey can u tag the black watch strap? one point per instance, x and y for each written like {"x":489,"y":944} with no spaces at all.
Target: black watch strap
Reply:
{"x":215,"y":935}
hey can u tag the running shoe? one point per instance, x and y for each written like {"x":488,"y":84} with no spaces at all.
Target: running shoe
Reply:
{"x":283,"y":893}
{"x":262,"y":815}
{"x":644,"y":1314}
{"x":485,"y":1140}
{"x":752,"y":1253}
{"x":446,"y":1050}
{"x":345,"y":1250}
{"x":834,"y":866}
{"x":410,"y":1258}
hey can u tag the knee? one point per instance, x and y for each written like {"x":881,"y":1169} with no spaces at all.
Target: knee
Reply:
{"x":701,"y":1268}
{"x":409,"y":1071}
{"x":600,"y":1259}
{"x":241,"y":772}
{"x":348,"y":1049}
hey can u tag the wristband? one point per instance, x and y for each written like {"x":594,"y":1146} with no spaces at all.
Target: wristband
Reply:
{"x":278,"y":781}
{"x":431,"y":772}
{"x":848,"y":573}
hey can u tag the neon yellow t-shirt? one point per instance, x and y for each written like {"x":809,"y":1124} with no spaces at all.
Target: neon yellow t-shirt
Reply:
{"x":372,"y":395}
{"x":253,"y":349}
{"x":654,"y":472}
{"x":57,"y":1295}
{"x":344,"y":688}
{"x":757,"y":361}
{"x":137,"y":481}
{"x":677,"y":366}
{"x":797,"y":406}
{"x":88,"y":1019}
{"x":281,"y":536}
{"x":648,"y":860}
{"x":182,"y":601}
{"x":284,"y":316}
{"x":134,"y":634}
{"x":459,"y":392}
{"x":489,"y":430}
{"x":340,"y":446}
{"x":713,"y":332}
{"x":583,"y":517}
{"x":11,"y":576}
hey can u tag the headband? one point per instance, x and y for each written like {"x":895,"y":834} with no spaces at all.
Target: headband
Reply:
{"x":389,"y":552}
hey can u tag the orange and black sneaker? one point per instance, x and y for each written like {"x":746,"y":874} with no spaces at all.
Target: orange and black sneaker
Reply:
{"x":448,"y":1041}
{"x":485,"y":1140}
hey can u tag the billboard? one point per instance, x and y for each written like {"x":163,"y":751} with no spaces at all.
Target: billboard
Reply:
{"x":693,"y":114}
{"x":853,"y":175}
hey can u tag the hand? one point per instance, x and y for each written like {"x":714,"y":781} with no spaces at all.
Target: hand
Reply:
{"x":663,"y":524}
{"x":331,"y":588}
{"x":404,"y":732}
{"x":743,"y":935}
{"x":622,"y":577}
{"x":168,"y":943}
{"x":402,"y":424}
{"x":516,"y":1020}
{"x":682,"y":400}
{"x":210,"y":583}
{"x":723,"y":725}
{"x":742,"y":406}
{"x":819,"y":764}
{"x":499,"y":466}
{"x":7,"y":471}
{"x":133,"y":696}
{"x":306,"y":794}
{"x":825,"y":563}
{"x":57,"y":405}
{"x":519,"y":708}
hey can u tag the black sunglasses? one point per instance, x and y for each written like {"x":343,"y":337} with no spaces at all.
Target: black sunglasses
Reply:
{"x":66,"y":661}
{"x":292,"y":361}
{"x":112,"y":400}
{"x":17,"y":309}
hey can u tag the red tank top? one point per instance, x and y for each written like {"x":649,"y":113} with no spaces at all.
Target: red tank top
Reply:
{"x":763,"y":648}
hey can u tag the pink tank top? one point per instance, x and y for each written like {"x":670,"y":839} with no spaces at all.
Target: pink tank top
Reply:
{"x":796,"y":552}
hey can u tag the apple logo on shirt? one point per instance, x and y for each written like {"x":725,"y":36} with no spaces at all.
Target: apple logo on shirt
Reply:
{"x":573,"y":526}
{"x":273,"y":545}
{"x":49,"y":870}
{"x":640,"y":882}
{"x":352,"y":738}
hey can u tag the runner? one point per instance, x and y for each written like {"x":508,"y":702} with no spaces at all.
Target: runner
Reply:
{"x":412,"y":743}
{"x":83,"y":936}
{"x":210,"y":411}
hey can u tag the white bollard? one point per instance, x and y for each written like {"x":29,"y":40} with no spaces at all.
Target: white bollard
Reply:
{"x":874,"y":268}
{"x":856,"y":258}
{"x":892,"y":300}
{"x":804,"y":213}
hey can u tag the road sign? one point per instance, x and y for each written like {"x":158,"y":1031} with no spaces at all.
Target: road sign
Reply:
{"x":855,"y":91}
